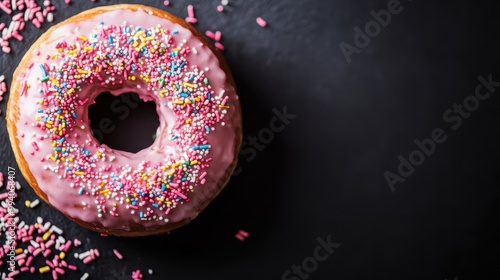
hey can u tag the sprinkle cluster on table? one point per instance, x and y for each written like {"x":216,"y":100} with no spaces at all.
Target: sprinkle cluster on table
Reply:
{"x":42,"y":240}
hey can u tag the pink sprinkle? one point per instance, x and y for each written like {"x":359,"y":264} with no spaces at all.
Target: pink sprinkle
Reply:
{"x":6,"y":49}
{"x":239,"y":237}
{"x":190,"y":9}
{"x":2,"y":25}
{"x":72,"y":267}
{"x":35,"y":146}
{"x":59,"y":270}
{"x":46,"y":253}
{"x":117,"y":254}
{"x":36,"y":23}
{"x":210,"y":34}
{"x":5,"y":9}
{"x":67,"y":1}
{"x":219,"y":46}
{"x":191,"y":20}
{"x":104,"y":234}
{"x":166,"y":3}
{"x":224,"y":100}
{"x":4,"y":195}
{"x":218,"y":36}
{"x":220,"y":8}
{"x":87,"y":260}
{"x":261,"y":22}
{"x":17,"y":36}
{"x":17,"y":17}
{"x":54,"y":275}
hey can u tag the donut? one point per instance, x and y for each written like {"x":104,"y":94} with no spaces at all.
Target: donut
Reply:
{"x":118,"y":49}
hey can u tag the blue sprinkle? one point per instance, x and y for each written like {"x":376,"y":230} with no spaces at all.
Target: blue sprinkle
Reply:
{"x":137,"y":28}
{"x":80,"y":191}
{"x":163,"y":186}
{"x":207,"y":128}
{"x":155,"y":205}
{"x":110,"y":39}
{"x":140,"y":214}
{"x":175,"y":32}
{"x":43,"y":70}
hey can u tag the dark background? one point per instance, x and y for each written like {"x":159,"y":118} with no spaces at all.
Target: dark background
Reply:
{"x":323,"y":174}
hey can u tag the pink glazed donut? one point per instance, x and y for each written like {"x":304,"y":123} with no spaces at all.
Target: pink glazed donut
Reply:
{"x":123,"y":48}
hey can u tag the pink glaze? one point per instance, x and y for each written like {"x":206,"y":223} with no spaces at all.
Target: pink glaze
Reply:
{"x":59,"y":187}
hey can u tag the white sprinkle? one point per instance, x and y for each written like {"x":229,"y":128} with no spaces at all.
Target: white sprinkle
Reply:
{"x":46,"y":226}
{"x":34,"y":203}
{"x":34,"y":244}
{"x":2,"y":78}
{"x":85,"y":276}
{"x":56,"y":230}
{"x":50,"y":17}
{"x":18,"y":186}
{"x":224,"y":2}
{"x":27,"y":15}
{"x":39,"y":220}
{"x":150,"y":271}
{"x":84,"y":255}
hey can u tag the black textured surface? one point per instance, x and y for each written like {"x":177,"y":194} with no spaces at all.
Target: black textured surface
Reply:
{"x":323,"y":174}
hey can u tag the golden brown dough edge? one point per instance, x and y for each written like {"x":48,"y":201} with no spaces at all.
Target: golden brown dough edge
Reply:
{"x":12,"y":114}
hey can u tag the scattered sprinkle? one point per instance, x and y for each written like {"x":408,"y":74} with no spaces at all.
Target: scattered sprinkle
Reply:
{"x":260,"y":21}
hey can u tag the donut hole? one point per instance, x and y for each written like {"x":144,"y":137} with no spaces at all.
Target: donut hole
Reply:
{"x":123,"y":122}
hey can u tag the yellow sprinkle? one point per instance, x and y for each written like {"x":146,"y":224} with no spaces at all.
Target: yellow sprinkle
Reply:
{"x":150,"y":38}
{"x":44,"y":269}
{"x":52,"y":157}
{"x":223,"y":107}
{"x":179,"y":102}
{"x":46,"y":235}
{"x":160,"y":199}
{"x":27,"y":203}
{"x":54,"y":81}
{"x":193,"y":162}
{"x":62,"y":255}
{"x":79,"y":173}
{"x":188,"y":121}
{"x":88,"y":48}
{"x":139,"y":33}
{"x":19,"y":250}
{"x":83,"y":38}
{"x":104,"y":191}
{"x":187,"y":101}
{"x":72,"y":52}
{"x":188,"y":84}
